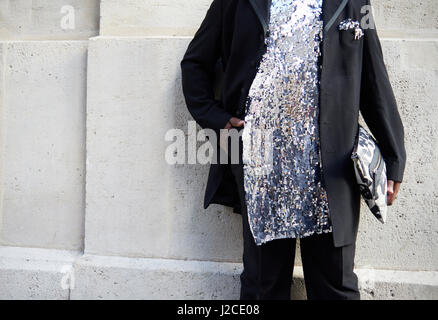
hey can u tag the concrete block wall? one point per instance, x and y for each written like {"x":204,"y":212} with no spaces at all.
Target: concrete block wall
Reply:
{"x":43,"y":82}
{"x":137,"y":204}
{"x":89,"y":207}
{"x":49,"y":19}
{"x":43,"y":143}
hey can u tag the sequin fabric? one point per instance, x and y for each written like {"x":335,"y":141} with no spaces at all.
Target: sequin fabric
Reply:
{"x":282,"y":169}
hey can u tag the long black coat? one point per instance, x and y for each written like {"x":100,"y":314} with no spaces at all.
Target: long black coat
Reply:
{"x":353,"y":79}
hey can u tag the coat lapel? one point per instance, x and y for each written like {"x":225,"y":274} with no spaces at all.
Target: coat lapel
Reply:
{"x":330,"y":11}
{"x":261,"y":9}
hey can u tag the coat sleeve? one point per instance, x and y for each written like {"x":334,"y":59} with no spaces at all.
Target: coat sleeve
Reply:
{"x":198,"y":71}
{"x":379,"y":107}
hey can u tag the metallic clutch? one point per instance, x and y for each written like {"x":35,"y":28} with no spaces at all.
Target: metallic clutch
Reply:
{"x":370,"y":170}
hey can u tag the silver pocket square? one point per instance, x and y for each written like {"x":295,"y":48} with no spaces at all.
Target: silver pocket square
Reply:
{"x":350,"y":24}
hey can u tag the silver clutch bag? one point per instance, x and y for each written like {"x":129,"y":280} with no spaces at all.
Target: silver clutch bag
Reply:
{"x":370,"y":170}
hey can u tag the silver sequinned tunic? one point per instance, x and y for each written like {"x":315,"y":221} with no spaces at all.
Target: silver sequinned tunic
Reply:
{"x":282,"y":168}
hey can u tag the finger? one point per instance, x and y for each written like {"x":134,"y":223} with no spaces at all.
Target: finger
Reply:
{"x":390,"y":200}
{"x":393,"y":188}
{"x":237,"y":122}
{"x":397,"y":186}
{"x":395,"y":191}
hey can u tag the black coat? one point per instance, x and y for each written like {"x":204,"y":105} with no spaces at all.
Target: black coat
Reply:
{"x":353,"y":79}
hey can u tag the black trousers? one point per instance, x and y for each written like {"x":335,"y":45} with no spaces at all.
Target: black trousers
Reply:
{"x":268,"y":269}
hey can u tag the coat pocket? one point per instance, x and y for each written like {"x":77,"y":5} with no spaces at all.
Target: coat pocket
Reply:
{"x":347,"y":38}
{"x":350,"y":32}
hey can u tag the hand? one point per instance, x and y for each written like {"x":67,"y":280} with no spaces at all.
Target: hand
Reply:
{"x":393,"y":188}
{"x":234,"y":122}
